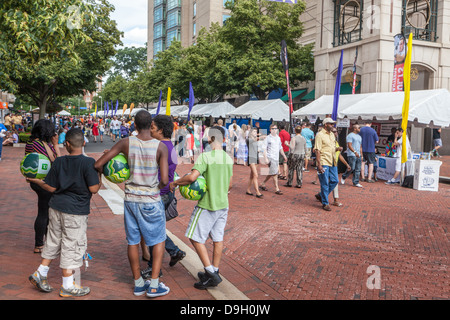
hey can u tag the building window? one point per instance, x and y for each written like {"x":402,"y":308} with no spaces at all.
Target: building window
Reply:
{"x":158,"y":15}
{"x":171,"y":36}
{"x":224,"y":18}
{"x":195,"y":9}
{"x":420,"y":18}
{"x":158,"y":45}
{"x":348,"y":21}
{"x":194,"y":29}
{"x":158,"y":31}
{"x":173,"y":19}
{"x":171,"y":4}
{"x":157,"y":3}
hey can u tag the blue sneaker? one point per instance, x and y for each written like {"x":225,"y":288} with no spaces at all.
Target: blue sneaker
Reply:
{"x":139,"y":291}
{"x":162,"y":290}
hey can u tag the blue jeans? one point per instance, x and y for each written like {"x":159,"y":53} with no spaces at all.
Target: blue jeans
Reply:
{"x":355,"y":164}
{"x":328,"y":181}
{"x":170,"y":247}
{"x":1,"y":147}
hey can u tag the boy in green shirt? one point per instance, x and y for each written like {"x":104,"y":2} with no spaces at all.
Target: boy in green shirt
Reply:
{"x":210,"y":215}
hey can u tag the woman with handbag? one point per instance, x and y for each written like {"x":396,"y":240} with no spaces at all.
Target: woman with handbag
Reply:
{"x":43,"y":140}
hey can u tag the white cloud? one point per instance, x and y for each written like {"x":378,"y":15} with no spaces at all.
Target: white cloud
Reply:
{"x":131,"y":17}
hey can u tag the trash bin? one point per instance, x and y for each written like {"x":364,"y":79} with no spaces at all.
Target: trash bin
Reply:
{"x":426,"y":175}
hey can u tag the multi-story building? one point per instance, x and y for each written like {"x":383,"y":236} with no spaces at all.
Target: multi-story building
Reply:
{"x":88,"y":97}
{"x":370,"y":27}
{"x":181,"y":20}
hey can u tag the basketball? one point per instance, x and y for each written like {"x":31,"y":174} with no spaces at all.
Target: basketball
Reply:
{"x":195,"y":191}
{"x":117,"y":170}
{"x":35,"y":165}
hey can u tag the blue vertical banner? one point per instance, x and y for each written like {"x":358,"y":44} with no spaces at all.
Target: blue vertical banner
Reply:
{"x":117,"y":107}
{"x":159,"y":103}
{"x":107,"y":108}
{"x":337,"y":88}
{"x":191,"y":100}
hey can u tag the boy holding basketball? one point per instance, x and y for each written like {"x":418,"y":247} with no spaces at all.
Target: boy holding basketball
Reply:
{"x":210,"y":215}
{"x":144,"y":214}
{"x":72,"y":179}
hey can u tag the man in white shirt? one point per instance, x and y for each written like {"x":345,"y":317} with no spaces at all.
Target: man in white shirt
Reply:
{"x":398,"y":142}
{"x":272,"y":156}
{"x":115,"y":129}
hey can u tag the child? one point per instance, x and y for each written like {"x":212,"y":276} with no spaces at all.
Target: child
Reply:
{"x":69,"y":206}
{"x":210,"y":215}
{"x":144,"y":214}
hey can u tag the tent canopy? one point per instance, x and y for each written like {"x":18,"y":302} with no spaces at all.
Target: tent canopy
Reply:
{"x":215,"y":110}
{"x":175,"y":111}
{"x":427,"y":107}
{"x":64,"y":113}
{"x":276,"y":110}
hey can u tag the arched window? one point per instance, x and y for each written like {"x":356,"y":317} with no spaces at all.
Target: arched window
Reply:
{"x":420,"y":18}
{"x":348,"y":20}
{"x":421,"y":77}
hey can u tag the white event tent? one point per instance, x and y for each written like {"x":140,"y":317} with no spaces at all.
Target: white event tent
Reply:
{"x":275,"y":110}
{"x":215,"y":110}
{"x":426,"y":107}
{"x":174,"y":110}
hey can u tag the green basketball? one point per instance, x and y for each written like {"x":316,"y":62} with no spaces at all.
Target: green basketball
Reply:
{"x":35,"y":165}
{"x":195,"y":191}
{"x":117,"y":170}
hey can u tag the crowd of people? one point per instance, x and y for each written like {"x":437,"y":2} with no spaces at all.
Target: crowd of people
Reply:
{"x":154,"y":148}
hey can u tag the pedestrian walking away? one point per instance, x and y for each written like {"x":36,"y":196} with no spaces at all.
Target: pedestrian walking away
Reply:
{"x":143,"y":209}
{"x":296,"y":158}
{"x":66,"y":239}
{"x":209,"y":217}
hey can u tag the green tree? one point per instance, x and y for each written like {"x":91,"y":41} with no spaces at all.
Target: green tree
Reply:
{"x":128,"y":62}
{"x":55,"y":49}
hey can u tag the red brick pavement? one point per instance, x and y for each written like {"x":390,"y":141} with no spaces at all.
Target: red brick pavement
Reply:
{"x":278,"y":248}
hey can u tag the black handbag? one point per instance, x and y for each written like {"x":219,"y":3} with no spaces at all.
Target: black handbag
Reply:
{"x":172,"y":211}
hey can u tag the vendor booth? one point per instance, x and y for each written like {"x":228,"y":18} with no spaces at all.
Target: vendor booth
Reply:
{"x":214,"y":110}
{"x":263,"y":111}
{"x":427,"y":108}
{"x":175,"y":111}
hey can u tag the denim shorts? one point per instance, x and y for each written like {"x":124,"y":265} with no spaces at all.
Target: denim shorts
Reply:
{"x":369,"y":157}
{"x":145,"y":219}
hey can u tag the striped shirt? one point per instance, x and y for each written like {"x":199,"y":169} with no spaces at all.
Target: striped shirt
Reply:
{"x":38,"y":147}
{"x":142,"y":186}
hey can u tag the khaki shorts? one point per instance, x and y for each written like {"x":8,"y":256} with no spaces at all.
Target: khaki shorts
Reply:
{"x":308,"y":154}
{"x":66,"y":239}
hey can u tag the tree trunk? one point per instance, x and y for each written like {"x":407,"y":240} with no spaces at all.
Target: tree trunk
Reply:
{"x":42,"y":109}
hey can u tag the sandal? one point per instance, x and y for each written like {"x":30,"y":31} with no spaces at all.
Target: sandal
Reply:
{"x":263,"y":188}
{"x":337,"y":204}
{"x":282,"y":177}
{"x":38,"y":249}
{"x":260,"y":196}
{"x":279,"y":192}
{"x":249,"y":193}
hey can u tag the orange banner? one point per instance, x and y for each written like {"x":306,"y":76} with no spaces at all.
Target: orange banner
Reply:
{"x":3,"y":105}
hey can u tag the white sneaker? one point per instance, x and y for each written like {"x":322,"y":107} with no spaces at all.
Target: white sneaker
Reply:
{"x":342,"y":181}
{"x":358,"y":185}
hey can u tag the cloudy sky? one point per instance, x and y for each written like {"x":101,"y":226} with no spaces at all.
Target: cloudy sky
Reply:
{"x":131,"y":17}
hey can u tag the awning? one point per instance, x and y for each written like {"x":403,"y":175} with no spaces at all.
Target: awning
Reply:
{"x":347,"y":88}
{"x":295,"y":94}
{"x":309,"y":96}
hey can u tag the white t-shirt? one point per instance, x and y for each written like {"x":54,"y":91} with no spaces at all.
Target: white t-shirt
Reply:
{"x":398,"y":154}
{"x":115,"y":124}
{"x":273,"y":145}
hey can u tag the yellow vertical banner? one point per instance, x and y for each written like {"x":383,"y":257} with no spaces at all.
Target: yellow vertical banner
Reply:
{"x":125,"y":107}
{"x":407,"y":86}
{"x":95,"y":112}
{"x":131,"y":108}
{"x":169,"y":93}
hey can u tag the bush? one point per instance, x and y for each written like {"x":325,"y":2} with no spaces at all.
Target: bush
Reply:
{"x":24,"y":137}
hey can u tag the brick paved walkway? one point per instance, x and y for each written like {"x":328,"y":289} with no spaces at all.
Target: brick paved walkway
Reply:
{"x":278,"y":248}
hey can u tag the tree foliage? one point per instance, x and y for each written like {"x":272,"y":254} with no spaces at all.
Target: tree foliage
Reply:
{"x":53,"y":49}
{"x":241,"y":57}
